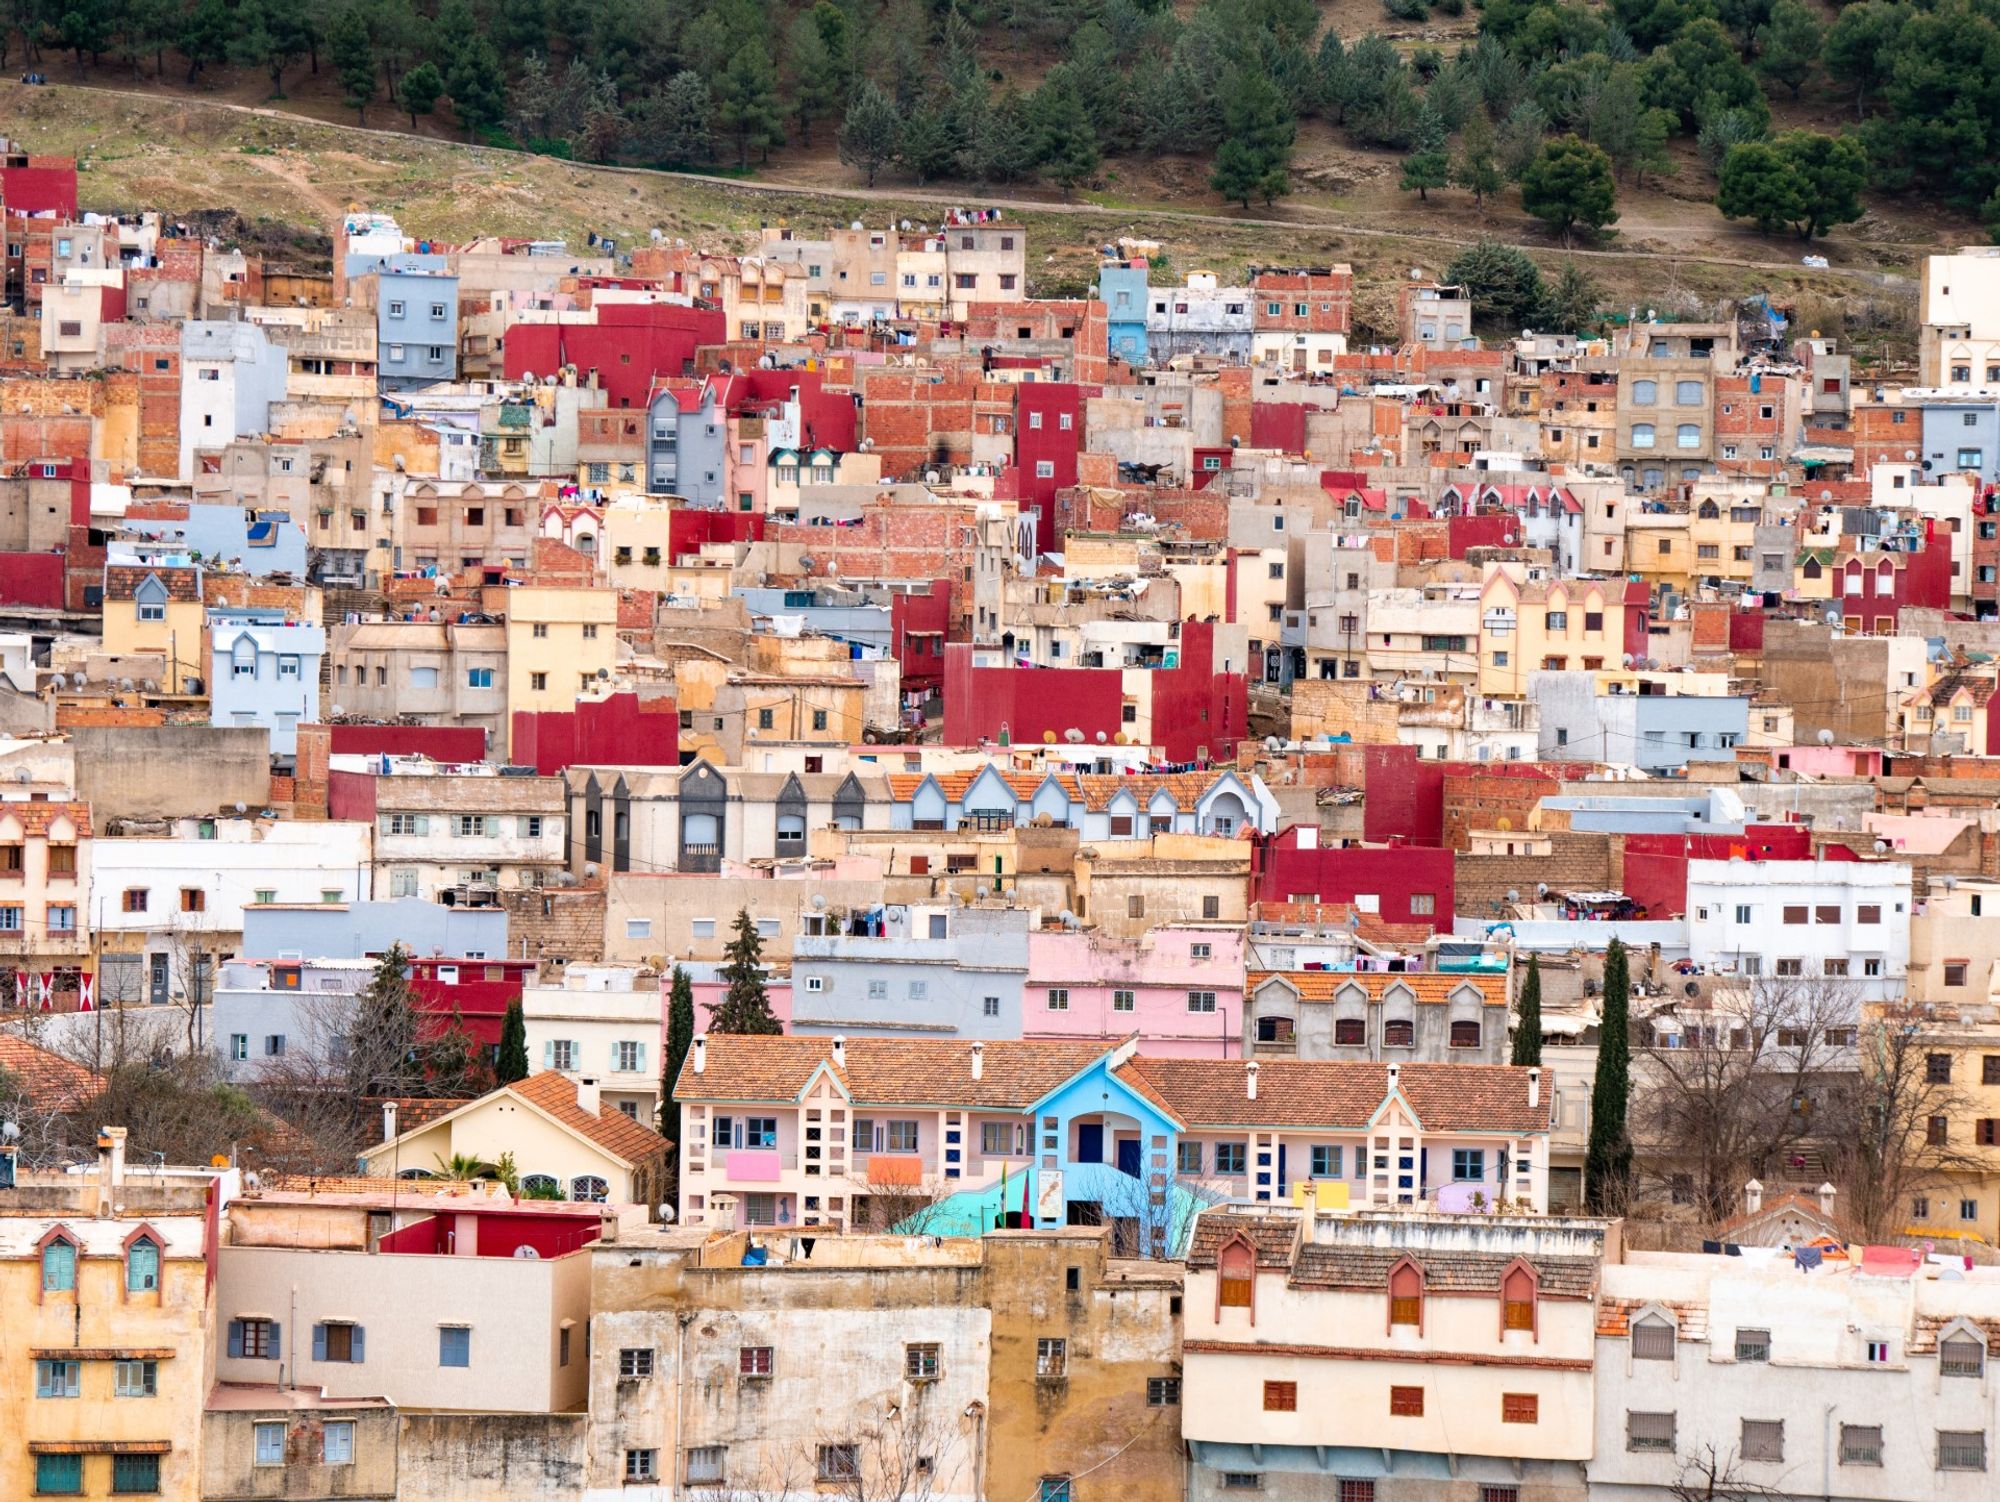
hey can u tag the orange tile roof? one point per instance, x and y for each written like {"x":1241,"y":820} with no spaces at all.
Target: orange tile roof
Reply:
{"x":1335,"y":1094}
{"x":51,"y":1081}
{"x":1429,"y":987}
{"x":887,"y":1071}
{"x":122,"y":579}
{"x":611,"y":1129}
{"x":36,"y":817}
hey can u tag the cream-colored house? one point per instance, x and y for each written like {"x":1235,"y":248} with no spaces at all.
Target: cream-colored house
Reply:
{"x":563,"y":1136}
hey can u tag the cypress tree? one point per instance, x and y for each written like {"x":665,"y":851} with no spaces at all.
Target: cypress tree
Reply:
{"x":1608,"y":1164}
{"x":1528,"y":1028}
{"x":513,"y":1063}
{"x":746,"y":1006}
{"x":680,"y":1038}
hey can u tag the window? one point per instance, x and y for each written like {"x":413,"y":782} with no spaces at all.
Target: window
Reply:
{"x":1201,"y":1001}
{"x":1649,"y":1432}
{"x":1465,"y":1033}
{"x":1406,"y":1402}
{"x":337,"y":1443}
{"x":1187,"y":1157}
{"x":1642,"y":438}
{"x":1123,"y":1001}
{"x":1763,"y":1439}
{"x":630,"y":1058}
{"x":1860,"y":1444}
{"x":642,"y":1465}
{"x":1326,"y":1160}
{"x":1876,"y":1353}
{"x":1961,"y":1356}
{"x":1399,"y":1033}
{"x":58,"y":1379}
{"x":455,"y":1345}
{"x":1520,"y":1408}
{"x":135,"y":1473}
{"x":1281,"y":1397}
{"x":1652,"y":1340}
{"x":1163,"y":1392}
{"x":142,"y":1266}
{"x":635,"y":1362}
{"x":920,"y":1362}
{"x":1364,"y":1491}
{"x":754,"y":1361}
{"x":338,"y":1342}
{"x":136,"y":1379}
{"x":706,"y":1464}
{"x":1058,"y":998}
{"x":1687,"y":435}
{"x":1468,"y":1164}
{"x":59,"y":1267}
{"x":1406,"y":1297}
{"x":1053,"y":1489}
{"x":1051,"y":1357}
{"x":1961,"y":1450}
{"x":1937,"y":1131}
{"x":1350,"y":1032}
{"x":1753,"y":1345}
{"x":1231,"y":1157}
{"x":1937,"y":1068}
{"x":839,"y":1462}
{"x":991,"y":1005}
{"x":58,"y":1475}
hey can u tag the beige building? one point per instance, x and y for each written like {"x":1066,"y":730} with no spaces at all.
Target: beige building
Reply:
{"x":1403,"y":1359}
{"x":429,"y":672}
{"x":562,"y":641}
{"x":1959,"y":338}
{"x":454,"y":526}
{"x":1125,"y":888}
{"x":284,"y":1441}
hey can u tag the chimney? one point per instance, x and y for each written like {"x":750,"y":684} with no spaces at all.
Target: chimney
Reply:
{"x":979,"y":1061}
{"x":110,"y":1170}
{"x":1250,"y":1079}
{"x":1395,"y":1074}
{"x":1534,"y":1088}
{"x":840,"y":1051}
{"x":1753,"y":1197}
{"x":700,"y":1052}
{"x":1826,"y":1192}
{"x":588,"y":1096}
{"x":388,"y":1121}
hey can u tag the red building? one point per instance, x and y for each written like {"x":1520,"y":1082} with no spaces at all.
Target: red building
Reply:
{"x":688,"y":531}
{"x":625,"y":347}
{"x":1873,"y":588}
{"x":441,"y":743}
{"x":1048,"y":435}
{"x":618,"y":730}
{"x":475,"y":993}
{"x":1400,"y":883}
{"x":38,"y":184}
{"x":918,"y":626}
{"x":1656,"y":865}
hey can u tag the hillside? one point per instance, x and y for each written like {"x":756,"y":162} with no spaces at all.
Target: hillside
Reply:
{"x":285,"y":173}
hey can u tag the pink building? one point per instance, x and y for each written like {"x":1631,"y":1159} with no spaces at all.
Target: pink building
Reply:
{"x":708,"y":996}
{"x":1179,"y":989}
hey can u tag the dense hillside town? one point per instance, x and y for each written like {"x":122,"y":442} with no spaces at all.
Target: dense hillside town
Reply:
{"x":681,"y":871}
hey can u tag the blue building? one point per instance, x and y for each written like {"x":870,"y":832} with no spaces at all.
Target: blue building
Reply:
{"x":416,"y":321}
{"x":257,"y":542}
{"x":264,"y":670}
{"x":356,"y":930}
{"x":1961,"y":437}
{"x":1122,"y":287}
{"x":687,"y":444}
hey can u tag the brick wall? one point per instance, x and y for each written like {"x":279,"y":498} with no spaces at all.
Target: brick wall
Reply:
{"x":555,"y":924}
{"x":1481,"y":800}
{"x":1585,"y":861}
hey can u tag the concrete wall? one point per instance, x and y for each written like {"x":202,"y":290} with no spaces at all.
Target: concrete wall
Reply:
{"x":168,"y":771}
{"x":229,"y":1468}
{"x":529,"y":1457}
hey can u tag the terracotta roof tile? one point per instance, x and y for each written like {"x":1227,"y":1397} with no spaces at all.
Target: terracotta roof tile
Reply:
{"x":122,"y":579}
{"x":1429,"y":987}
{"x":1274,"y":1236}
{"x":51,"y":1081}
{"x":1337,"y":1095}
{"x":611,"y":1129}
{"x":887,"y":1071}
{"x":1452,"y":1272}
{"x":35,"y":818}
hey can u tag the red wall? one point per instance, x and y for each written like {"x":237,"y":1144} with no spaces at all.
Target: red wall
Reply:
{"x":921,"y":658}
{"x":1404,"y":796}
{"x":350,"y":795}
{"x":449,"y":743}
{"x":1052,"y":401}
{"x":39,"y":189}
{"x":1746,"y":631}
{"x":827,"y":419}
{"x":1656,"y":865}
{"x":32,"y":579}
{"x":1492,"y":530}
{"x":620,"y":730}
{"x":495,"y":1233}
{"x":688,"y":531}
{"x":1392,"y":873}
{"x":1278,"y":425}
{"x":660,"y":341}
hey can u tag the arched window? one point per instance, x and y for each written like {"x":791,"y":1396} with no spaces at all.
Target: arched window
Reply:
{"x":1645,"y":393}
{"x":142,"y":1266}
{"x":1517,"y":1300}
{"x":1642,"y":435}
{"x":590,"y":1188}
{"x":59,"y":1266}
{"x":541,"y":1186}
{"x":1406,"y":1295}
{"x":1236,"y":1277}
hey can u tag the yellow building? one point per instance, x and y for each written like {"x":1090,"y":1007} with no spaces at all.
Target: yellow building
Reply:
{"x":155,"y":610}
{"x":1722,"y":530}
{"x":108,"y":1360}
{"x":1948,"y":716}
{"x":1949,"y":1075}
{"x":1534,"y":625}
{"x":561,"y":640}
{"x":1659,"y":547}
{"x":636,"y":551}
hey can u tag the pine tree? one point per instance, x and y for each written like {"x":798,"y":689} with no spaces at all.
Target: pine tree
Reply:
{"x":746,"y":97}
{"x":680,"y":1038}
{"x":354,"y":60}
{"x":382,"y":1048}
{"x":1528,"y":1026}
{"x":816,"y":92}
{"x":476,"y":86}
{"x":746,"y":1005}
{"x":1066,"y":146}
{"x":423,"y":86}
{"x":1255,"y":158}
{"x":672,"y":123}
{"x":872,"y":131}
{"x":513,"y":1062}
{"x":1476,"y":168}
{"x":1608,"y":1160}
{"x":928,"y":147}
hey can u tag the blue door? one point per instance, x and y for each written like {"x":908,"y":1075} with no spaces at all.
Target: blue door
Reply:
{"x":1128,"y":1156}
{"x":1284,"y":1182}
{"x":1090,"y":1142}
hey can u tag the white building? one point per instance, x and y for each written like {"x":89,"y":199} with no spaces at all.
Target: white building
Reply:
{"x":1959,"y":310}
{"x":602,"y":1023}
{"x":230,"y":375}
{"x":1851,"y":1383}
{"x":1797,"y":920}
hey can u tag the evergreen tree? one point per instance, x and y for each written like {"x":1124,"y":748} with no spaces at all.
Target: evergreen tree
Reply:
{"x":680,"y":1038}
{"x":1520,"y":137}
{"x":872,"y":131}
{"x":746,"y":98}
{"x":1476,"y":168}
{"x":1789,"y":44}
{"x":927,"y":148}
{"x":513,"y":1061}
{"x":1428,"y":165}
{"x":477,"y":87}
{"x":1066,"y":146}
{"x":382,"y":1047}
{"x":1528,"y":1024}
{"x":354,"y":60}
{"x":204,"y":37}
{"x":746,"y":1005}
{"x":423,"y":86}
{"x":1608,"y":1159}
{"x":1255,"y":158}
{"x":1502,"y":280}
{"x":1803,"y":179}
{"x":1860,"y":48}
{"x":816,"y":91}
{"x":1569,"y":184}
{"x":672,"y":124}
{"x":1573,"y":303}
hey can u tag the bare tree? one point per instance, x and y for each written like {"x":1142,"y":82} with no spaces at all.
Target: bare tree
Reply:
{"x":1734,"y":1090}
{"x":1894,"y":1136}
{"x":1152,"y":1220}
{"x":913,"y":1209}
{"x":910,"y":1455}
{"x":1713,"y":1474}
{"x":194,"y":953}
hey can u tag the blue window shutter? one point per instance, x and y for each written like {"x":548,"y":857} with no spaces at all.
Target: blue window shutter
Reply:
{"x":549,"y":1054}
{"x":277,"y":1340}
{"x":319,"y":1342}
{"x":236,"y":1337}
{"x":359,"y":1354}
{"x":642,"y":1058}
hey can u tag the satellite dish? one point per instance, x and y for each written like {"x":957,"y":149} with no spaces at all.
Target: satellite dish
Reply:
{"x":527,"y":1254}
{"x":241,"y":806}
{"x":1826,"y":737}
{"x":1513,"y":895}
{"x":819,"y":899}
{"x":10,"y":1131}
{"x":337,"y":711}
{"x":251,"y":1181}
{"x":666,"y":1215}
{"x":1100,"y":737}
{"x":590,"y":868}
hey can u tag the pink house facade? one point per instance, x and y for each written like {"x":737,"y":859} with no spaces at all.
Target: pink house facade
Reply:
{"x":1180,"y":989}
{"x":708,"y":996}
